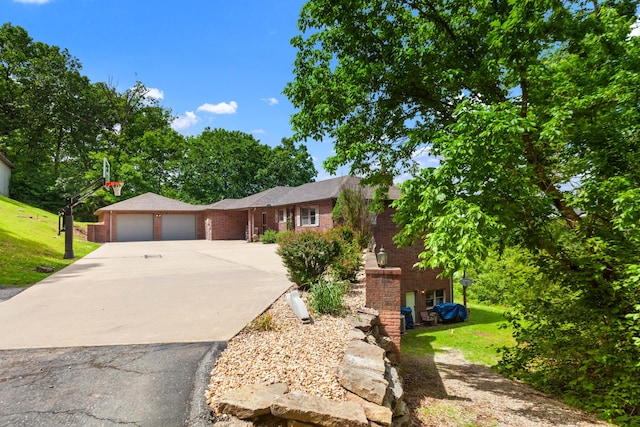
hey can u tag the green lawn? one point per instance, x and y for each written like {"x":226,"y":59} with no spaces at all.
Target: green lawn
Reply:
{"x":29,"y":238}
{"x":478,"y":339}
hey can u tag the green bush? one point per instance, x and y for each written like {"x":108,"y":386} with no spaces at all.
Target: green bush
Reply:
{"x":307,"y":255}
{"x":328,"y":297}
{"x":347,"y":265}
{"x":269,"y":236}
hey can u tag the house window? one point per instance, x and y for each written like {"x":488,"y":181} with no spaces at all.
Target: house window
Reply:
{"x":309,"y":216}
{"x":282,"y":217}
{"x":435,"y":297}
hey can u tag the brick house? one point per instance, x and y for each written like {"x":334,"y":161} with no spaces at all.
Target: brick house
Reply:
{"x":306,"y":207}
{"x":5,"y":175}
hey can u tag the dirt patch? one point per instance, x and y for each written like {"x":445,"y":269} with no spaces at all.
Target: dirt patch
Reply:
{"x":446,"y":390}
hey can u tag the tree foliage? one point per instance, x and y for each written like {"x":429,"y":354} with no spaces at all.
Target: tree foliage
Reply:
{"x":533,"y":110}
{"x":220,"y":164}
{"x":352,"y":211}
{"x":56,"y":127}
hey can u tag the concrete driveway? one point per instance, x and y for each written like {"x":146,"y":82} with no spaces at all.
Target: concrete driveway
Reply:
{"x":146,"y":293}
{"x":129,"y":334}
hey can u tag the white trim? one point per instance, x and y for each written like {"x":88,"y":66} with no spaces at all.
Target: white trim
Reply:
{"x":311,"y":216}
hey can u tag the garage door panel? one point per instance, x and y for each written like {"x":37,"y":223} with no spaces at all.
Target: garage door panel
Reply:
{"x":178,"y":227}
{"x":134,"y":227}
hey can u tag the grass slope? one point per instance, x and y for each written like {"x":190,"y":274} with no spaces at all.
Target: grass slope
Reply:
{"x":478,"y":339}
{"x":29,"y":238}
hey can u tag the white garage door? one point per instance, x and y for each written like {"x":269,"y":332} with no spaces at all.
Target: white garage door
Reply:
{"x":178,"y":227}
{"x":134,"y":227}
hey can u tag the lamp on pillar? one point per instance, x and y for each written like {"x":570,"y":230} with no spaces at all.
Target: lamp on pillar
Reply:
{"x":382,"y":257}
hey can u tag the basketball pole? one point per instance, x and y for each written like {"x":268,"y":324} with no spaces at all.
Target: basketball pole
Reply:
{"x":67,"y":214}
{"x":68,"y":230}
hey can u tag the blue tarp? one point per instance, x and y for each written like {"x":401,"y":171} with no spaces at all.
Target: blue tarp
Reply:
{"x":450,"y":312}
{"x":408,"y":318}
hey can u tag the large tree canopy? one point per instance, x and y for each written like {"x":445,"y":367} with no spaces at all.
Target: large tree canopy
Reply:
{"x":532,"y":108}
{"x":219,"y":164}
{"x":56,"y":127}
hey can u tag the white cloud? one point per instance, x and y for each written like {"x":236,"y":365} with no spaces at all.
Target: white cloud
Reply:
{"x":32,"y":1}
{"x":635,"y":28}
{"x":258,"y":131}
{"x":221,"y":108}
{"x":185,"y":122}
{"x":270,"y":101}
{"x":154,"y":93}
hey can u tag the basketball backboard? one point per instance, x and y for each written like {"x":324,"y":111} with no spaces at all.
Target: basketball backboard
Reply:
{"x":106,"y":170}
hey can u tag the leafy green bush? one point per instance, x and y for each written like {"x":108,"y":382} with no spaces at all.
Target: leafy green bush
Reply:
{"x":327,"y":297}
{"x":269,"y":236}
{"x":347,"y":265}
{"x":507,"y":278}
{"x":307,"y":255}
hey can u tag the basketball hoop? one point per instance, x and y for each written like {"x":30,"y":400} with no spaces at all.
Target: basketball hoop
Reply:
{"x":116,"y":186}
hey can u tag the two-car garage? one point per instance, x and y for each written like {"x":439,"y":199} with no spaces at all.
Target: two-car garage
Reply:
{"x":147,"y":217}
{"x":140,"y":227}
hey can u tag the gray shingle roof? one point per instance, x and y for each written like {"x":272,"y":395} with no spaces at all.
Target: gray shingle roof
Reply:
{"x":277,"y":196}
{"x":151,"y":202}
{"x":328,"y":189}
{"x":6,"y":161}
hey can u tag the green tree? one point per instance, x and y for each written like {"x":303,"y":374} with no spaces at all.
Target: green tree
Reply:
{"x":287,"y":165}
{"x":352,"y":210}
{"x":532,"y":109}
{"x":220,"y":164}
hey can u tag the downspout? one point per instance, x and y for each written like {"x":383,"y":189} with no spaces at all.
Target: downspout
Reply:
{"x":110,"y":226}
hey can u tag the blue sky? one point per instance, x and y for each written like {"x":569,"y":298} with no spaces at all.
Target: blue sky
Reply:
{"x":213,"y":63}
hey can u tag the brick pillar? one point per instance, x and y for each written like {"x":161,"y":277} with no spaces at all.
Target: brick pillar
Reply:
{"x":383,"y":294}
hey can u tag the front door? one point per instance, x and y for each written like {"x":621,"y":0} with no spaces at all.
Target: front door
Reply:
{"x":410,"y":300}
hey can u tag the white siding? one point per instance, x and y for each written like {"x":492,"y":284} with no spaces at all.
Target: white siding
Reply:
{"x":5,"y":177}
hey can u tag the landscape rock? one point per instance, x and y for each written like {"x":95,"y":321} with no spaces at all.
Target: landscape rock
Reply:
{"x":252,"y":400}
{"x":233,"y":422}
{"x":402,"y":417}
{"x":395,"y":389}
{"x":386,"y":343}
{"x":365,"y":383}
{"x":371,"y":340}
{"x":318,"y":410}
{"x":45,"y":269}
{"x":377,"y":414}
{"x":364,"y":321}
{"x":356,"y":335}
{"x":363,"y":355}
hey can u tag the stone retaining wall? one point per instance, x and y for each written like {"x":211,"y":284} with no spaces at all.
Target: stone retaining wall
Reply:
{"x":367,"y":372}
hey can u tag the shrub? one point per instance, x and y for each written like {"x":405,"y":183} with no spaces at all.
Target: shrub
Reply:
{"x":269,"y":236}
{"x":347,"y":265}
{"x":307,"y":256}
{"x":328,"y":297}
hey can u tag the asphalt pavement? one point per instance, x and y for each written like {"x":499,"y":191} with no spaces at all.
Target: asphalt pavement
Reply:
{"x":129,"y":334}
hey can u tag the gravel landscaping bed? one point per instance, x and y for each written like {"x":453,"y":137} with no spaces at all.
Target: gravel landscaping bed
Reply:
{"x":303,"y":355}
{"x":442,"y":390}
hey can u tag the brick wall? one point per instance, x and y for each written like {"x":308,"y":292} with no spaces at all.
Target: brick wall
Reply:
{"x":413,"y":279}
{"x":227,"y":225}
{"x":383,"y":294}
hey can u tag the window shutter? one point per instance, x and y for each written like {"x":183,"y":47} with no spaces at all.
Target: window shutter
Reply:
{"x":297,"y":217}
